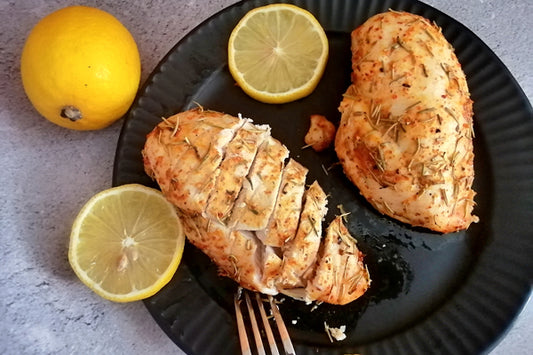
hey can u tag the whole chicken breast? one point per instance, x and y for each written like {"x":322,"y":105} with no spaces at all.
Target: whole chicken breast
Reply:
{"x":406,"y":130}
{"x":247,"y":209}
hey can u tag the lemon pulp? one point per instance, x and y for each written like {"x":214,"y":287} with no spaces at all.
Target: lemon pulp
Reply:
{"x":278,"y":53}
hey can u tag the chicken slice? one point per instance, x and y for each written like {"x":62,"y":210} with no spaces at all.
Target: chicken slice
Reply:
{"x":240,"y":154}
{"x":200,"y":138}
{"x":247,"y":258}
{"x":340,"y":275}
{"x":160,"y":145}
{"x":299,"y":253}
{"x":406,"y":130}
{"x":257,"y":199}
{"x":284,"y":220}
{"x":238,"y":254}
{"x":213,"y":239}
{"x":272,"y":264}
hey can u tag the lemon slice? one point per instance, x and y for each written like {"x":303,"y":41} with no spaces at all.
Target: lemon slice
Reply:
{"x":277,"y":53}
{"x":126,"y":243}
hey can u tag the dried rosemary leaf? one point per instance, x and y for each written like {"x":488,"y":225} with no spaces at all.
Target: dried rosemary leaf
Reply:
{"x":429,"y":34}
{"x":412,"y":105}
{"x":233,"y":260}
{"x":312,"y":222}
{"x":415,"y":153}
{"x":343,"y":214}
{"x":444,"y":196}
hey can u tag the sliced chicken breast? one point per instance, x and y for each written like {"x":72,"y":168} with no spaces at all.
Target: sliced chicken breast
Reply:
{"x":255,"y":218}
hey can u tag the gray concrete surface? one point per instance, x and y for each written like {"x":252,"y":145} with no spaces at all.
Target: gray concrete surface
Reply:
{"x":48,"y":172}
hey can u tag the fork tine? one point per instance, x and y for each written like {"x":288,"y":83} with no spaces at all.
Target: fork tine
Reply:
{"x":285,"y":338}
{"x":245,"y":346}
{"x":270,"y":336}
{"x":255,"y":327}
{"x":243,"y":336}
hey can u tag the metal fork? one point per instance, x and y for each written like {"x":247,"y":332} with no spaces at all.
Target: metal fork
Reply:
{"x":245,"y":345}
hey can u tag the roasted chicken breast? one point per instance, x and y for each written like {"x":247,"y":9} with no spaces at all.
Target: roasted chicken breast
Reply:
{"x":406,"y":130}
{"x":252,"y":213}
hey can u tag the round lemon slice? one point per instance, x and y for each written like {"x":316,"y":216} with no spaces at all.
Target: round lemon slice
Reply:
{"x":126,"y":243}
{"x":277,"y":53}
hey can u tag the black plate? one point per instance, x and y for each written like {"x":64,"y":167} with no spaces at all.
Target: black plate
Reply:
{"x":430,"y":293}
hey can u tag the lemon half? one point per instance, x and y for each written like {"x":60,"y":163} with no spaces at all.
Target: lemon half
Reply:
{"x":126,"y":243}
{"x":278,"y":53}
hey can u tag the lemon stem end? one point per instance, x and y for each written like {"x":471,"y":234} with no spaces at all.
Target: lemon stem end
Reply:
{"x":71,"y":112}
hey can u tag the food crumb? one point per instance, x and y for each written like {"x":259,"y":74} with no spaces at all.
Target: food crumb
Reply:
{"x":320,"y":134}
{"x":335,"y":333}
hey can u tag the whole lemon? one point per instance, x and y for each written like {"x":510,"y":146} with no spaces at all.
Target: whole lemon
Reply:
{"x":80,"y":68}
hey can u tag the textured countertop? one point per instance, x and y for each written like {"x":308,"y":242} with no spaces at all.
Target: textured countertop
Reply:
{"x":49,"y":172}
